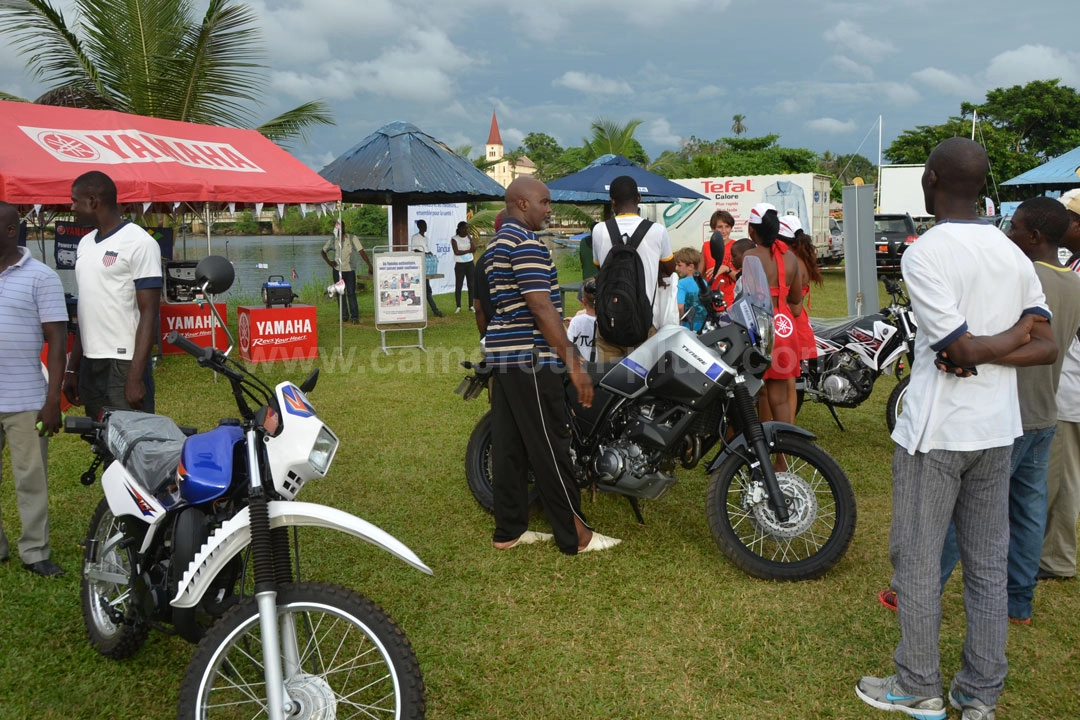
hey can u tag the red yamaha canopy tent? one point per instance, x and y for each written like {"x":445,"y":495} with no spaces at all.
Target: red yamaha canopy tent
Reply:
{"x":44,"y":148}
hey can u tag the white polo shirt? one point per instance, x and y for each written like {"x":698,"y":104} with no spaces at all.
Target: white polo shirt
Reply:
{"x":108,"y":272}
{"x":654,"y":247}
{"x":964,"y":277}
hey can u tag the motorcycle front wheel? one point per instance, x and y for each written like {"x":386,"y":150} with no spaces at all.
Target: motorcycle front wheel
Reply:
{"x":478,"y":471}
{"x":106,"y":592}
{"x":894,"y":406}
{"x":351,"y":660}
{"x":819,"y":499}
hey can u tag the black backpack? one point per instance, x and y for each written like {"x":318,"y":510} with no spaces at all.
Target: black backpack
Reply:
{"x":624,"y":314}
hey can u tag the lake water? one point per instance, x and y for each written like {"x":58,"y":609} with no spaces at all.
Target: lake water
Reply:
{"x":281,"y":253}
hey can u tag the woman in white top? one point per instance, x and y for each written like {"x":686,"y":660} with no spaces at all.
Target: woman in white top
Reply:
{"x":464,"y":267}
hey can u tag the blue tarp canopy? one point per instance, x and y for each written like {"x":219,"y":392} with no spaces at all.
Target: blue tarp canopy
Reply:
{"x":1062,"y":170}
{"x":400,"y":164}
{"x":590,"y":185}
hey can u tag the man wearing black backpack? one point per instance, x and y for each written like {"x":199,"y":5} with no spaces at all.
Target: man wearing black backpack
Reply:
{"x":632,"y":254}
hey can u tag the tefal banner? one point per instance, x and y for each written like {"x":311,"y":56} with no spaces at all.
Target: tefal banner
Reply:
{"x":277,"y":333}
{"x":193,"y":321}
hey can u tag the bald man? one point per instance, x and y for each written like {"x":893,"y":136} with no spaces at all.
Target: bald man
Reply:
{"x":981,"y":313}
{"x":31,"y":308}
{"x":526,"y":343}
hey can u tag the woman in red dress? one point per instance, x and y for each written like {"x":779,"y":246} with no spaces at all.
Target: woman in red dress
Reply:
{"x":791,"y":232}
{"x":720,"y":275}
{"x":785,"y":281}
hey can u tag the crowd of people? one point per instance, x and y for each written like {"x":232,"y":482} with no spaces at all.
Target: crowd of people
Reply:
{"x":987,"y":450}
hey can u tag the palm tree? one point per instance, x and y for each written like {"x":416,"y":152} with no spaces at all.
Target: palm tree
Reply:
{"x":153,"y":58}
{"x":738,"y":126}
{"x":610,"y":137}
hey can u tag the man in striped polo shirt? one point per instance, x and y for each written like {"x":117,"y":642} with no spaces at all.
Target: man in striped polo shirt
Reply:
{"x":527,"y":344}
{"x":31,"y":307}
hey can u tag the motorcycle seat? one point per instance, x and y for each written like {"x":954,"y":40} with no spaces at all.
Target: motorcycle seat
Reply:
{"x":148,"y":446}
{"x":831,"y":328}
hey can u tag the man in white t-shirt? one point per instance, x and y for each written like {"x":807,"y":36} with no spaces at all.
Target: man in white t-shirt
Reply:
{"x":657,"y":259}
{"x":981,"y":312}
{"x":118,"y":272}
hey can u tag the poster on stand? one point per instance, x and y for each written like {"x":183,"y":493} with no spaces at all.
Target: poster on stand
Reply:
{"x":442,"y":220}
{"x":399,"y":288}
{"x":68,"y":235}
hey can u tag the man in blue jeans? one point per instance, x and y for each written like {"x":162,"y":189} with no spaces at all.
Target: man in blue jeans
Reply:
{"x":1037,"y":228}
{"x":981,"y":313}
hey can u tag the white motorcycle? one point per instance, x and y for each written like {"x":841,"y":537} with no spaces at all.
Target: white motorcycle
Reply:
{"x":185,"y":514}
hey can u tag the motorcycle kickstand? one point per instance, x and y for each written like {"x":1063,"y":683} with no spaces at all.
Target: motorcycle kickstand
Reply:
{"x":835,"y":416}
{"x":636,"y":508}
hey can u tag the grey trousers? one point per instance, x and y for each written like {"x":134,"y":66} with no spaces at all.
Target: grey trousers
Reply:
{"x":18,"y":432}
{"x":929,"y":490}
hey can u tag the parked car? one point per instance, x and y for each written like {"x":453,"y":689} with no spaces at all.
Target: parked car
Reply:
{"x":892,"y":235}
{"x":836,"y":241}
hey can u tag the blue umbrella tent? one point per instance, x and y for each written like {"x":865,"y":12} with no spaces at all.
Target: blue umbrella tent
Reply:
{"x":590,"y":185}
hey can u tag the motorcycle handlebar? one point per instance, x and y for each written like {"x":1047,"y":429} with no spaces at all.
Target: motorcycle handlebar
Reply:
{"x":81,"y":425}
{"x":178,"y":340}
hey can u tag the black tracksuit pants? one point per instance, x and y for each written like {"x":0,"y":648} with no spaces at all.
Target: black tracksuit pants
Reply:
{"x":529,"y":431}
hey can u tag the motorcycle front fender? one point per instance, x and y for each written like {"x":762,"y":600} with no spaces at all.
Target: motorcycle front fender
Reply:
{"x":771,"y":429}
{"x":235,"y":534}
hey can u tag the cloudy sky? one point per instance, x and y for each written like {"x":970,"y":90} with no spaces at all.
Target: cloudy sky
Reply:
{"x":817,"y":72}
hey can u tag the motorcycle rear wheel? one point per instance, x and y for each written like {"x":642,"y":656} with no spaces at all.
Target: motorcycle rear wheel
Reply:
{"x":478,"y":470}
{"x":819,"y":498}
{"x":353,"y":661}
{"x":894,"y":406}
{"x":105,"y":581}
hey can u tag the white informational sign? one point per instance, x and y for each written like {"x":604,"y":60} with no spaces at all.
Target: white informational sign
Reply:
{"x":441,"y":222}
{"x":399,"y":288}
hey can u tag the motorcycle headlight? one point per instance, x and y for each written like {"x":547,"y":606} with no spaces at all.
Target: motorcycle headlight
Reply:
{"x":323,"y":451}
{"x":766,"y":331}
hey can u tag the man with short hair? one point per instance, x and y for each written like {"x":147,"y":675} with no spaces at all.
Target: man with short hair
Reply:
{"x":32,"y":307}
{"x":345,"y":245}
{"x":418,"y":243}
{"x":657,"y":258}
{"x":527,"y":345}
{"x":118,"y":272}
{"x":981,"y":313}
{"x":1058,"y":561}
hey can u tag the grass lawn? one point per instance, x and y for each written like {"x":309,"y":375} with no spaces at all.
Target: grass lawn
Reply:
{"x":660,"y":627}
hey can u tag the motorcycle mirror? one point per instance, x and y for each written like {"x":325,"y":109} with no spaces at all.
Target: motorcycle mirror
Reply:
{"x":309,"y":384}
{"x":214,"y":274}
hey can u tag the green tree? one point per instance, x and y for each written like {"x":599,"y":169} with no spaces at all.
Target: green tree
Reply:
{"x":153,"y":58}
{"x":738,"y":124}
{"x":845,"y":168}
{"x":1041,"y":117}
{"x":541,"y":148}
{"x":609,"y":137}
{"x":745,"y":156}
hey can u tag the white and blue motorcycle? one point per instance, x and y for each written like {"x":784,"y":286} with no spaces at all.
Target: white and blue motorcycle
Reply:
{"x":188,"y":516}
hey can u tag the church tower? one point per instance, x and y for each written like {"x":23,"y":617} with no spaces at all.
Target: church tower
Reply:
{"x":494,"y":141}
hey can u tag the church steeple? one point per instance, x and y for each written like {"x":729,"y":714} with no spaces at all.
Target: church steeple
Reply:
{"x":494,"y":141}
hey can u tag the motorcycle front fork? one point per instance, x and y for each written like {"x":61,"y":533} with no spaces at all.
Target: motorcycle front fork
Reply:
{"x":755,"y":437}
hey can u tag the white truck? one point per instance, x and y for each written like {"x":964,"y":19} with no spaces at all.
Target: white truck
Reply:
{"x":803,"y":194}
{"x":900,"y":191}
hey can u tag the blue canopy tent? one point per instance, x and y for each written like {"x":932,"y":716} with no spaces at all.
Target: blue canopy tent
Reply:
{"x":590,"y":185}
{"x":400,"y":165}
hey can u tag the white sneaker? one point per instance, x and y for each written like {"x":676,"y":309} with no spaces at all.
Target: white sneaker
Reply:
{"x":600,"y":542}
{"x":458,"y":310}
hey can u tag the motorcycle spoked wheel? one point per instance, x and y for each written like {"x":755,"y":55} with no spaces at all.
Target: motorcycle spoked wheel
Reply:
{"x":819,"y":498}
{"x":894,"y":406}
{"x":478,"y":469}
{"x":353,"y":661}
{"x":105,"y":575}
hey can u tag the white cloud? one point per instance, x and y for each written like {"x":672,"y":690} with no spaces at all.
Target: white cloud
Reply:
{"x":1033,"y":62}
{"x":659,"y":131}
{"x":900,"y":93}
{"x":853,"y":40}
{"x":849,"y":67}
{"x":831,"y":125}
{"x":548,"y":19}
{"x":511,"y":136}
{"x":709,"y":92}
{"x":590,"y":83}
{"x":945,"y":82}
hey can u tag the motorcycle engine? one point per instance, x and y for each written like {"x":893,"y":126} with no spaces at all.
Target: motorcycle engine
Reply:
{"x":624,"y":467}
{"x":847,"y":382}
